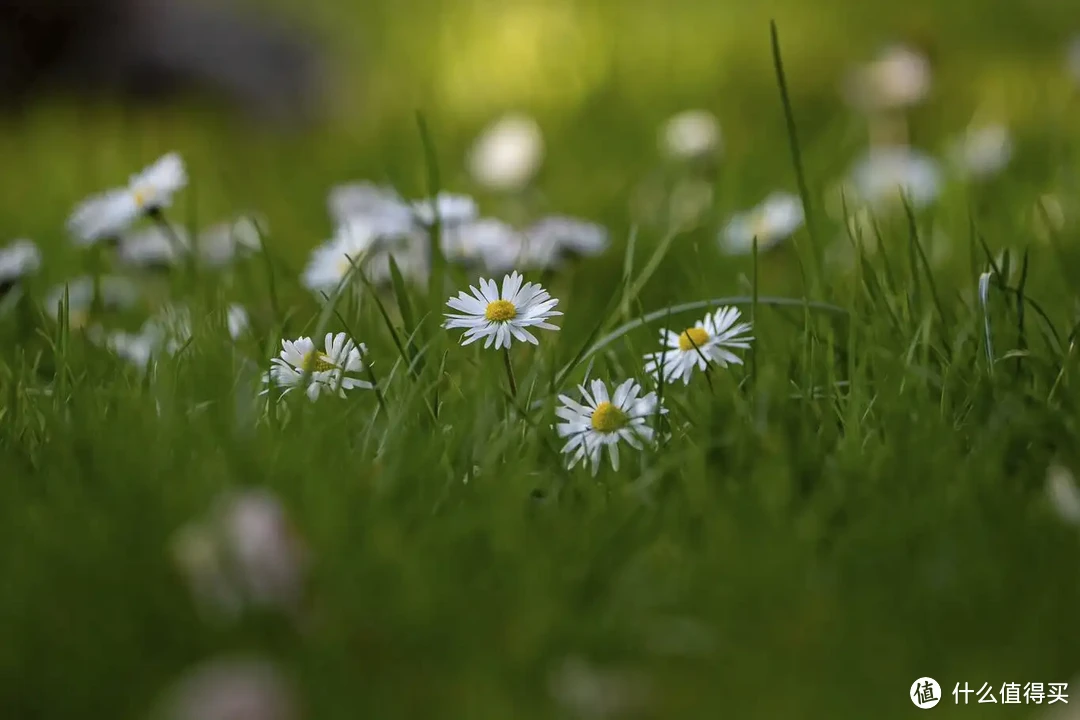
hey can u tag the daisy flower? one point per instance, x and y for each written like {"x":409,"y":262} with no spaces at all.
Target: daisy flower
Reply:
{"x":452,"y":209}
{"x":565,"y":236}
{"x":236,"y":320}
{"x":220,"y":244}
{"x":899,"y":78}
{"x":117,"y":293}
{"x":508,"y":153}
{"x":390,"y":215}
{"x":110,"y":213}
{"x":489,"y":244}
{"x":691,"y":135}
{"x":154,"y":247}
{"x":18,"y":260}
{"x":375,"y":204}
{"x":326,"y":369}
{"x":498,"y":317}
{"x":332,"y":261}
{"x":780,"y":215}
{"x":136,"y":348}
{"x":887,"y":174}
{"x":982,"y":151}
{"x":604,"y":420}
{"x":710,"y":340}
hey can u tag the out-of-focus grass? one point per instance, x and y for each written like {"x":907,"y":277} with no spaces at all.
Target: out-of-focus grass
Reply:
{"x":823,"y":552}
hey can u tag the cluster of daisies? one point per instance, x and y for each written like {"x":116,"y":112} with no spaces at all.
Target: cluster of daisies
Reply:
{"x":602,"y":418}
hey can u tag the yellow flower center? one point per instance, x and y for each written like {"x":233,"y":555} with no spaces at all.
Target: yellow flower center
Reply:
{"x":316,"y":361}
{"x":141,"y":196}
{"x":607,"y":418}
{"x":500,"y":311}
{"x":761,"y":227}
{"x":693,"y":338}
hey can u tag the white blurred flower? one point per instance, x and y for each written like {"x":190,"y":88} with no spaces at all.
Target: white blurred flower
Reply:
{"x":411,"y":253}
{"x":690,"y":135}
{"x":1063,"y":494}
{"x":594,"y":693}
{"x":18,"y":260}
{"x":153,"y":246}
{"x":236,"y":320}
{"x":220,"y":244}
{"x":604,"y":420}
{"x":389,"y":216}
{"x":774,"y":220}
{"x":900,"y":77}
{"x":982,"y":151}
{"x":109,"y":214}
{"x":1072,"y":62}
{"x":334,"y":259}
{"x":117,"y":293}
{"x":568,"y":236}
{"x":232,"y":688}
{"x":381,"y":207}
{"x":137,"y":348}
{"x":508,"y":153}
{"x":171,"y":327}
{"x":487,"y":244}
{"x":330,"y":370}
{"x":886,"y":175}
{"x":452,"y":209}
{"x":498,"y":317}
{"x":245,"y":553}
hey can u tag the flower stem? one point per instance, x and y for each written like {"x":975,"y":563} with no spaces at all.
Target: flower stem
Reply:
{"x":510,"y":373}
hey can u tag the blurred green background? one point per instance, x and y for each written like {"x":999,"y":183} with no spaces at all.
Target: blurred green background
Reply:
{"x":599,"y":75}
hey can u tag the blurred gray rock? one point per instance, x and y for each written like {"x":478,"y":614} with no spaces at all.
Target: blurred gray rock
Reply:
{"x":152,"y":50}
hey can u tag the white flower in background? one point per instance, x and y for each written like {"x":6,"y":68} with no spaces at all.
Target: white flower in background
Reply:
{"x":171,"y":327}
{"x":117,"y":293}
{"x":452,"y":209}
{"x":887,"y":175}
{"x":137,"y":348}
{"x":566,"y":235}
{"x":1063,"y":494}
{"x":1072,"y":62}
{"x":900,"y":77}
{"x":334,"y":259}
{"x":224,"y":242}
{"x":153,"y":246}
{"x":378,"y":206}
{"x":508,"y":153}
{"x":236,"y":320}
{"x":586,"y":691}
{"x":18,"y":260}
{"x":605,"y":421}
{"x":774,"y":220}
{"x":982,"y":151}
{"x":691,"y":135}
{"x":389,"y":216}
{"x":411,"y":253}
{"x":235,"y":688}
{"x":109,"y":214}
{"x":326,"y":369}
{"x":500,"y":317}
{"x":708,"y":341}
{"x":486,"y":243}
